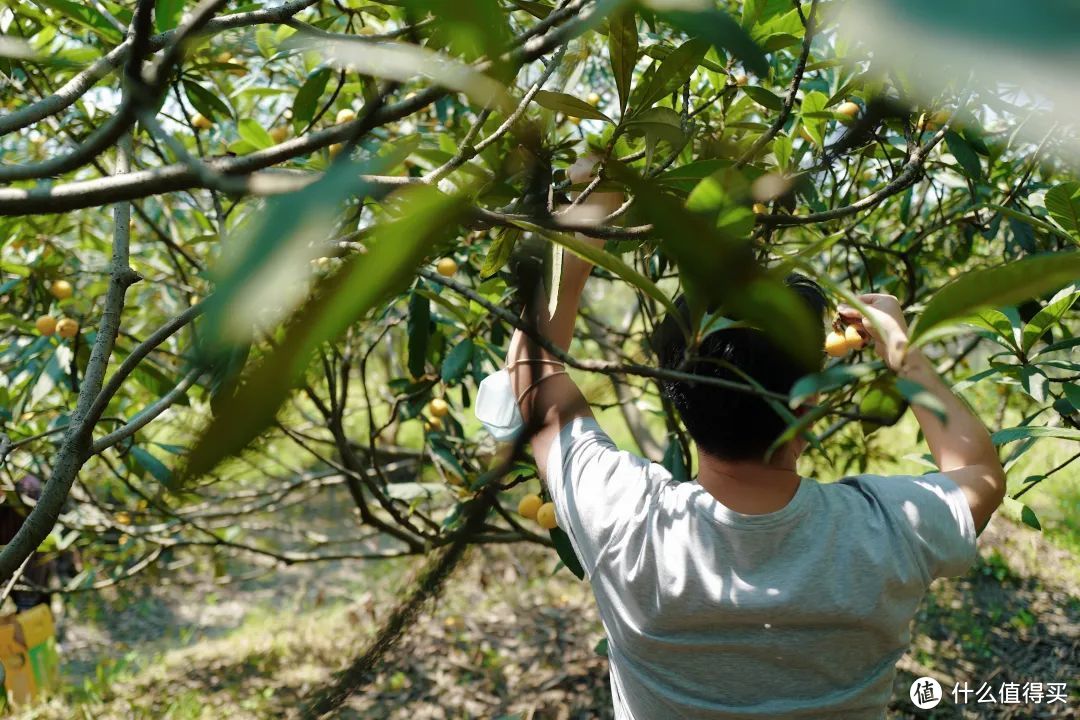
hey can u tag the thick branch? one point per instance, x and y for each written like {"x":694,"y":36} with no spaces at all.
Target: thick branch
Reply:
{"x":73,"y":450}
{"x":905,"y":179}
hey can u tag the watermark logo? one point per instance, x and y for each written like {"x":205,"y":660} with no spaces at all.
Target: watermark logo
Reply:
{"x":925,"y":693}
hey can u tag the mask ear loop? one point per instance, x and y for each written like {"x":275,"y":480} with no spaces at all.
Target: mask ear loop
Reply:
{"x":539,"y":361}
{"x":537,"y":382}
{"x":542,"y":378}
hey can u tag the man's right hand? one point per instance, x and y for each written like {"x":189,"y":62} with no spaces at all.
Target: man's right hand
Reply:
{"x":961,"y":449}
{"x":884,"y":323}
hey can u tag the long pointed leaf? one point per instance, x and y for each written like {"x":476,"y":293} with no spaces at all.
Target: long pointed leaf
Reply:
{"x":366,"y":280}
{"x":1003,"y":285}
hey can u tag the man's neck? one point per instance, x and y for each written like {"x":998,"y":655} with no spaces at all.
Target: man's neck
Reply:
{"x":752,"y":488}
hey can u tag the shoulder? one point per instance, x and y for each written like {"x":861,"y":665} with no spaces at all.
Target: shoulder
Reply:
{"x":582,"y":442}
{"x":929,"y":511}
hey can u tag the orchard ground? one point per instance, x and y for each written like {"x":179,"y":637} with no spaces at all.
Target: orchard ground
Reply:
{"x":515,"y":637}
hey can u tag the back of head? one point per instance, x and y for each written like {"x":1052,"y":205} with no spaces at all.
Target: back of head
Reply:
{"x":732,"y":424}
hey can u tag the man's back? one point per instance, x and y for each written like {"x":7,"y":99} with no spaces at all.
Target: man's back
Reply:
{"x":712,"y":613}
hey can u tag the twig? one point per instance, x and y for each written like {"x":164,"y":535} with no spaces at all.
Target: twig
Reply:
{"x":789,"y":101}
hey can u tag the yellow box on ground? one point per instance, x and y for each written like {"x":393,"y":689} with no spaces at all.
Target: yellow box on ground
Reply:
{"x":15,"y":657}
{"x":40,"y":635}
{"x":28,"y":654}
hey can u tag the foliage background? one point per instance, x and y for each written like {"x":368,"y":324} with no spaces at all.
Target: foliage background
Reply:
{"x":247,"y":199}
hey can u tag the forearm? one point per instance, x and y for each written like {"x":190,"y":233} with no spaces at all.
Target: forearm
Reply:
{"x":557,"y":328}
{"x":962,"y":440}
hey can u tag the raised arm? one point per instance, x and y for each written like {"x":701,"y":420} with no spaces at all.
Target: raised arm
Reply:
{"x":961,"y":446}
{"x":548,"y":398}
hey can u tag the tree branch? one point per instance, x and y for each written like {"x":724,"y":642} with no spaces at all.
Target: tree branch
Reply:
{"x":789,"y":102}
{"x":73,"y":451}
{"x":77,"y":86}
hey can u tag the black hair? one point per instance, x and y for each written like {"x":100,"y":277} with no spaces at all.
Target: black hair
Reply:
{"x":733,"y":424}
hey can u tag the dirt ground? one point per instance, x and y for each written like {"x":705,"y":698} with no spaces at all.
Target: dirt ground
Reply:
{"x":509,"y":639}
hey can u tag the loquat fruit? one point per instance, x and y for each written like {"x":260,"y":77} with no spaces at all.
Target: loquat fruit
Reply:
{"x":201,"y":122}
{"x":438,"y":407}
{"x":67,"y":328}
{"x":836,"y":344}
{"x":344,"y":116}
{"x":848,"y":109}
{"x":760,"y":209}
{"x":529,"y":505}
{"x":61,"y":289}
{"x":854,"y":338}
{"x":46,"y":324}
{"x":446,"y":267}
{"x":545,"y":516}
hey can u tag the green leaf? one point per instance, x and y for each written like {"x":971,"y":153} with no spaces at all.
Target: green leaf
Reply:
{"x":206,"y":102}
{"x":1027,"y":515}
{"x":996,"y":322}
{"x":457,"y":360}
{"x":764,"y":97}
{"x":656,"y":124}
{"x":405,"y":62}
{"x":561,"y":541}
{"x":674,"y":462}
{"x":307,"y":97}
{"x":167,"y":14}
{"x":394,"y":249}
{"x":152,"y":465}
{"x":812,"y":109}
{"x":1005,"y":285}
{"x":1008,"y":435}
{"x":537,"y":9}
{"x":673,"y":72}
{"x":419,"y":326}
{"x":1049,"y":316}
{"x":87,"y":16}
{"x":611,"y":263}
{"x":1063,"y":204}
{"x":601,"y":647}
{"x":721,"y":31}
{"x":570,"y":105}
{"x":717,"y":269}
{"x":881,"y":406}
{"x":623,"y":51}
{"x":965,"y":155}
{"x":1032,"y":221}
{"x":470,"y":29}
{"x":830,"y":379}
{"x":498,"y":254}
{"x":254,"y":133}
{"x":916,"y":394}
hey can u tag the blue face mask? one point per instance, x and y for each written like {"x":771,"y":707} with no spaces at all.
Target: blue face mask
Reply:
{"x":496,"y":406}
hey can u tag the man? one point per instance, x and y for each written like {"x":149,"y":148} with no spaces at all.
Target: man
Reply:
{"x":750,"y":592}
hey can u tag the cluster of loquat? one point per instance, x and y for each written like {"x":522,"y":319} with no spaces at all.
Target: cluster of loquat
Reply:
{"x":65,"y":327}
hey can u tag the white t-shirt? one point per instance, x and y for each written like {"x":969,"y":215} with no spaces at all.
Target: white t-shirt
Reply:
{"x":710,"y":613}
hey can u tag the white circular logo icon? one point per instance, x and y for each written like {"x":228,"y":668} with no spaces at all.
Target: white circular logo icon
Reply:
{"x":925,"y":693}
